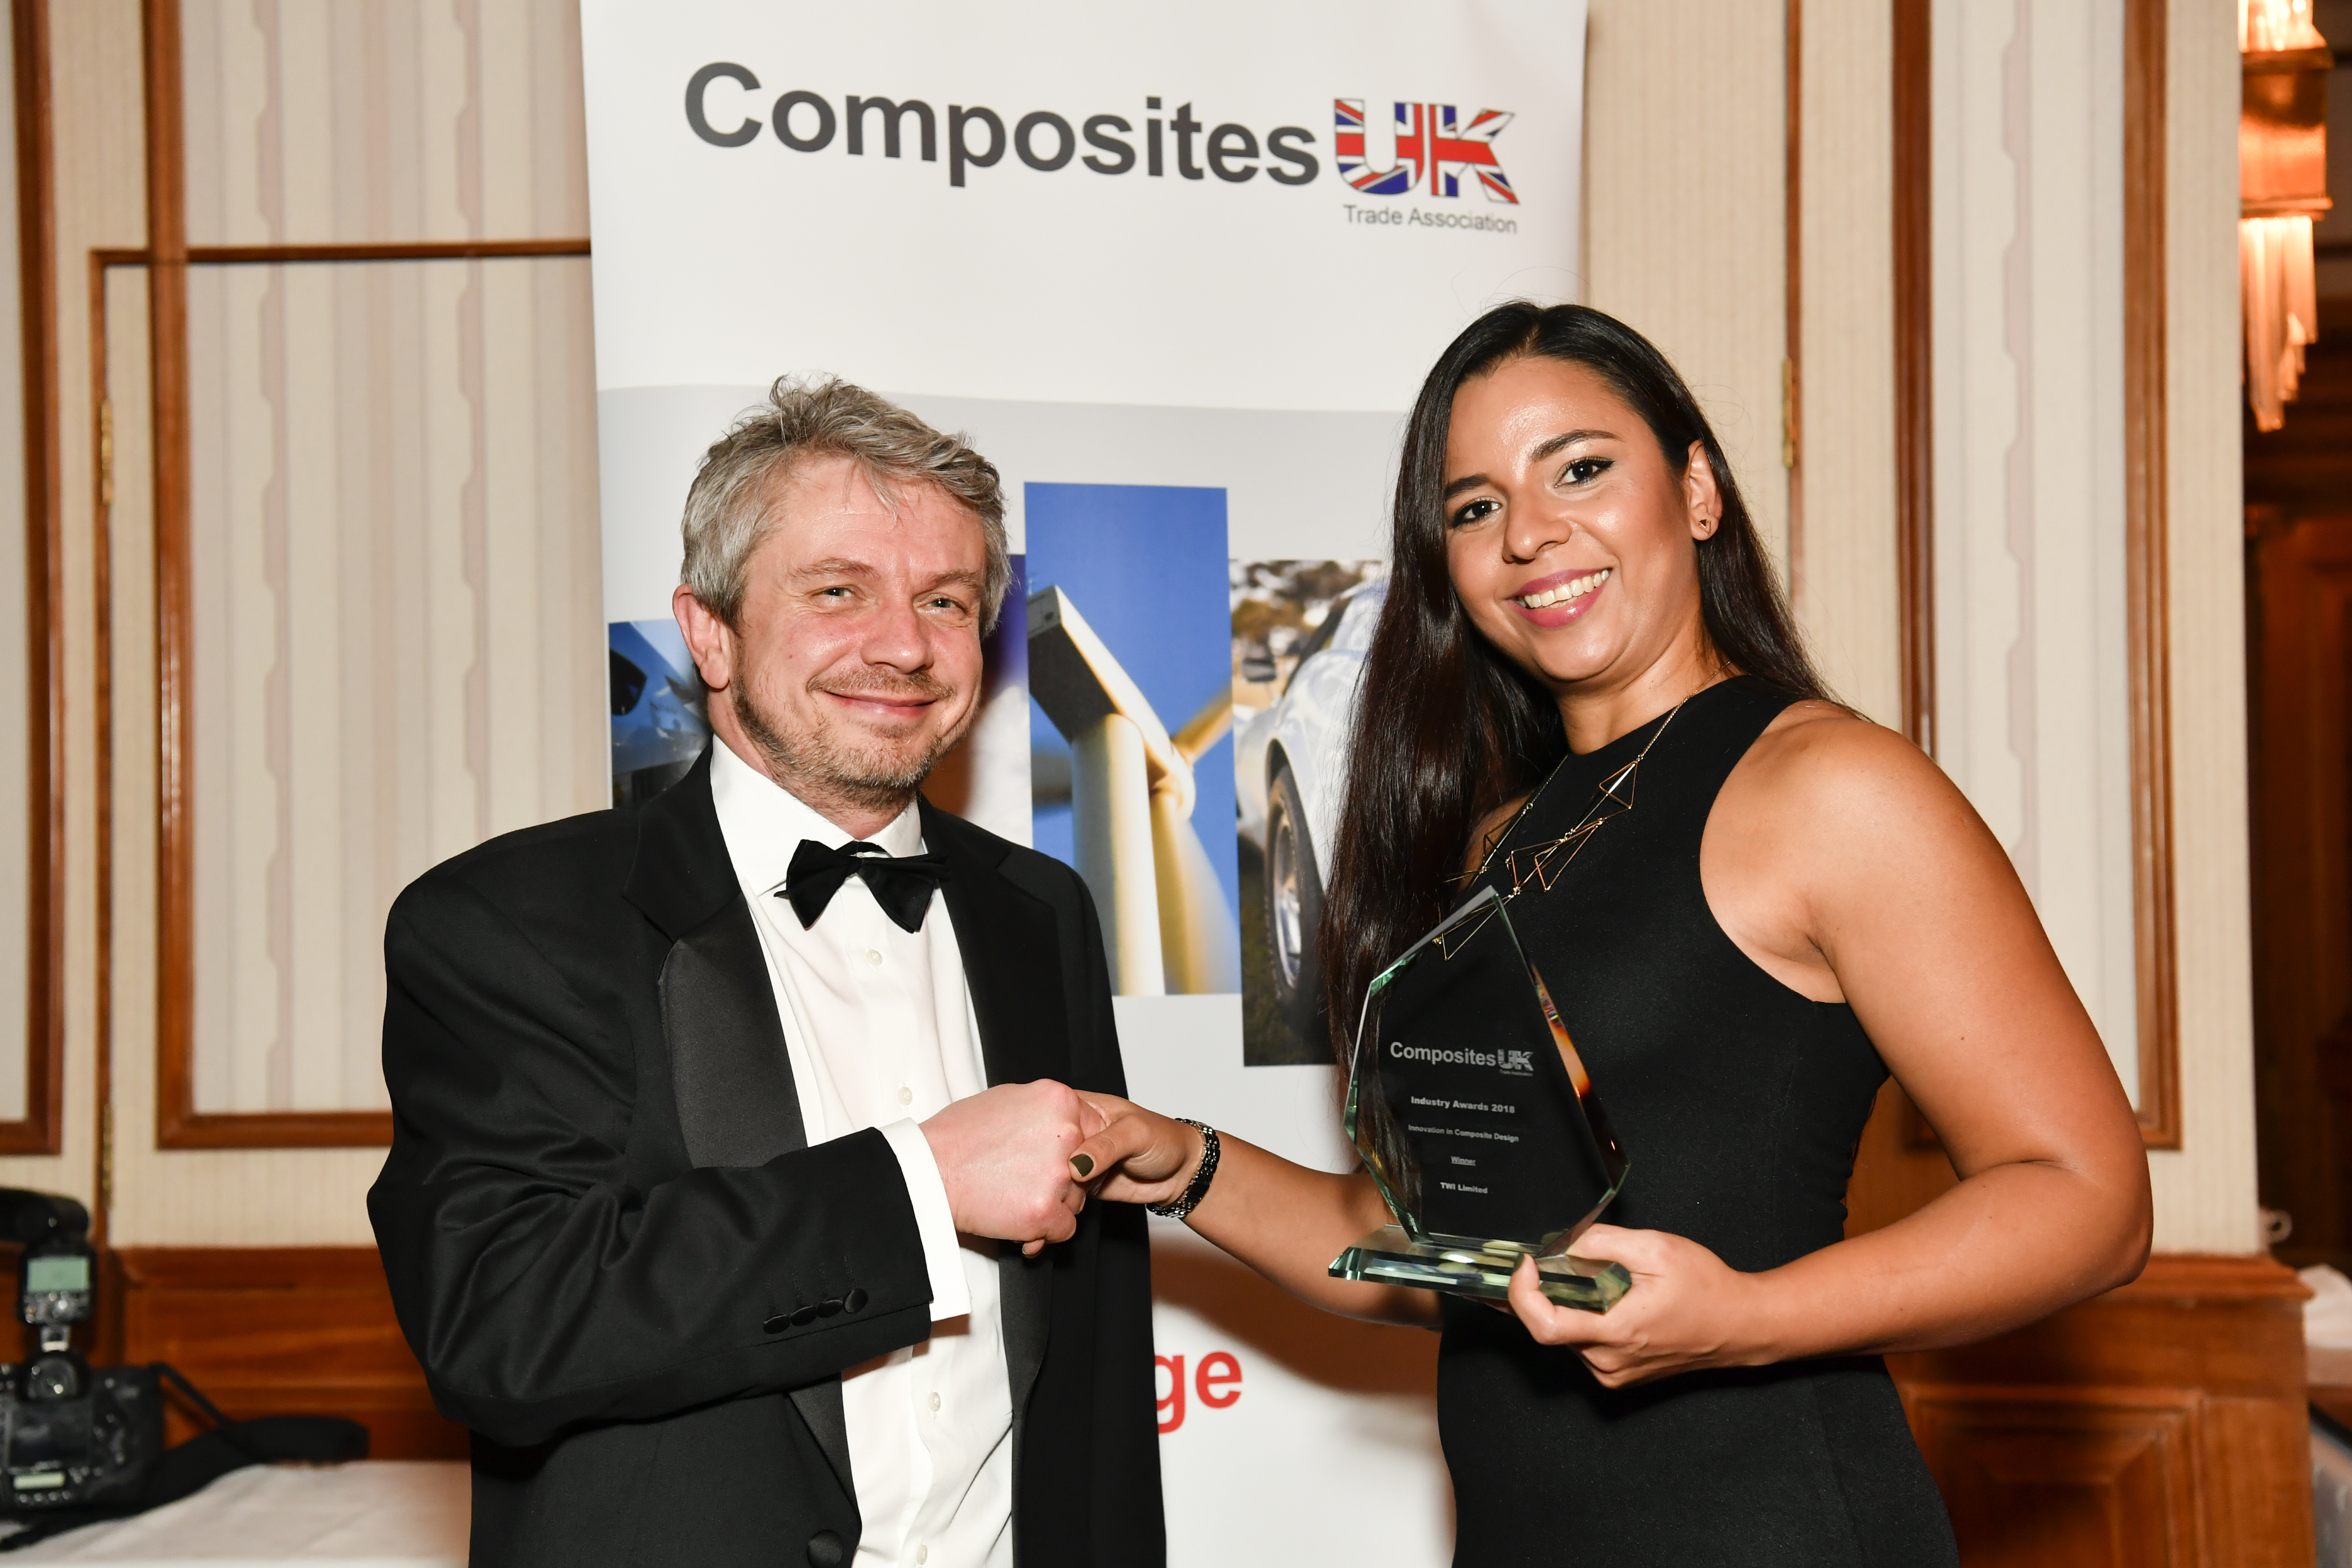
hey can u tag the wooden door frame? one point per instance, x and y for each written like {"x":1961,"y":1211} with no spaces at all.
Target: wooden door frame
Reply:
{"x":169,"y":255}
{"x":2146,"y":475}
{"x":41,"y":1128}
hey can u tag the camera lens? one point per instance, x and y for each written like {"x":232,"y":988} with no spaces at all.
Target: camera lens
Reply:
{"x":52,"y":1378}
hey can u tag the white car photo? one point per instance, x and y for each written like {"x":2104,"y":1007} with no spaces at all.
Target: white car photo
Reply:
{"x":1289,"y":763}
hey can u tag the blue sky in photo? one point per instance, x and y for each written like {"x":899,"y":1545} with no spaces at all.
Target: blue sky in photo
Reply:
{"x":664,"y":724}
{"x":662,"y":639}
{"x":1006,"y":651}
{"x":1145,"y":564}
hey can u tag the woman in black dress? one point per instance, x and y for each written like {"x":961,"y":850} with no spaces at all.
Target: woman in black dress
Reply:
{"x":1797,"y":902}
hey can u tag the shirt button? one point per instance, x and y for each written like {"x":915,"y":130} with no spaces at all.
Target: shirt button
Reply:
{"x":935,"y":1400}
{"x":874,"y":958}
{"x":905,"y":1097}
{"x":922,"y":1554}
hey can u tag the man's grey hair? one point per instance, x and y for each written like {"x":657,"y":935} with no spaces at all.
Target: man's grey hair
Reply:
{"x":737,"y":494}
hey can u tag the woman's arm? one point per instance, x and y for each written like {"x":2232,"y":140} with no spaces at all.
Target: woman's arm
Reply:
{"x":1846,"y":865}
{"x":1284,"y":1220}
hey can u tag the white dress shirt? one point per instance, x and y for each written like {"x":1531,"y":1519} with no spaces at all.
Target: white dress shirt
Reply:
{"x":880,"y":1031}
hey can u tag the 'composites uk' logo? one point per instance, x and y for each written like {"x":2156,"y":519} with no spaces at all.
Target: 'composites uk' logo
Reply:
{"x":1510,"y":1063}
{"x":1433,"y":151}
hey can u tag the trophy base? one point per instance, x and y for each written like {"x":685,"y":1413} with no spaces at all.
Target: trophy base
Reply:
{"x":1461,"y":1267}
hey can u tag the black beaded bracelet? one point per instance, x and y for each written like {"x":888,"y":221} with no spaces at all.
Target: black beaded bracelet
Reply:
{"x":1202,"y":1175}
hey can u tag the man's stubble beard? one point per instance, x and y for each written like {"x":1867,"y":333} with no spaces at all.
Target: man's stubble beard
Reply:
{"x":824,"y":765}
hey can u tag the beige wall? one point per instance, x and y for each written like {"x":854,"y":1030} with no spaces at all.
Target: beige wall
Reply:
{"x":1845,"y":587}
{"x":2205,"y":1199}
{"x":1685,"y":163}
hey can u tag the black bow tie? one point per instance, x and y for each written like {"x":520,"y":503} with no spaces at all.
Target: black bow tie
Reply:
{"x":901,"y":884}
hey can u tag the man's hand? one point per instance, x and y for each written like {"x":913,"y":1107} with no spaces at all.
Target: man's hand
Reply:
{"x":1004,"y":1158}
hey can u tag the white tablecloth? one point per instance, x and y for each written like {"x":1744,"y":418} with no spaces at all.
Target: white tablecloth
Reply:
{"x":374,"y":1514}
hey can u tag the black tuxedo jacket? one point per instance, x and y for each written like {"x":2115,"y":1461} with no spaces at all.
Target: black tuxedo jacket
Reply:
{"x":621,"y":1264}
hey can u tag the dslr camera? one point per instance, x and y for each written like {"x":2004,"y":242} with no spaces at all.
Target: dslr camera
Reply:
{"x":69,"y":1436}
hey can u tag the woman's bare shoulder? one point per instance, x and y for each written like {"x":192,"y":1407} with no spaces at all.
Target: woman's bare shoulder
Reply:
{"x":1826,"y":768}
{"x":1832,"y":826}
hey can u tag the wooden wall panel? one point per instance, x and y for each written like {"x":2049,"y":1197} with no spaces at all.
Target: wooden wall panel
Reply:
{"x":277,"y":1330}
{"x":1912,"y":246}
{"x":2066,"y":1478}
{"x":2161,"y":1423}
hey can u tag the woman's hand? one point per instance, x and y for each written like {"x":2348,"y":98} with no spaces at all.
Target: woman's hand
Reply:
{"x":1687,"y":1308}
{"x":1138,"y":1156}
{"x":1285,"y":1221}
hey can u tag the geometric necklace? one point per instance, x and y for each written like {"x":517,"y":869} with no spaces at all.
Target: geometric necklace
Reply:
{"x":1538,"y":866}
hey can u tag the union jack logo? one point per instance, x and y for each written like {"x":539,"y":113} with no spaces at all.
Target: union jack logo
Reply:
{"x":1431,"y":143}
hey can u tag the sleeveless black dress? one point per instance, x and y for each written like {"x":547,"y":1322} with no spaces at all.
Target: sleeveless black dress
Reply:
{"x":1740,"y":1103}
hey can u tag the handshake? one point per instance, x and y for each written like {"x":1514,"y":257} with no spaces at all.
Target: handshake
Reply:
{"x":1018,"y":1160}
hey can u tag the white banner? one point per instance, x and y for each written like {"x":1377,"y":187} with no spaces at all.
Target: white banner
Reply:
{"x":1178,"y":272}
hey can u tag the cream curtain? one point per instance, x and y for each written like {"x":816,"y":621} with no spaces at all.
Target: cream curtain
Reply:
{"x":394,"y":572}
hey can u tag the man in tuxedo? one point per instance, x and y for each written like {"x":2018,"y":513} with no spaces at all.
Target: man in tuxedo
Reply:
{"x":729,"y":1200}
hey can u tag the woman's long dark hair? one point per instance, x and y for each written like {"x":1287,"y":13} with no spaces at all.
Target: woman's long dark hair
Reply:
{"x":1446,"y":727}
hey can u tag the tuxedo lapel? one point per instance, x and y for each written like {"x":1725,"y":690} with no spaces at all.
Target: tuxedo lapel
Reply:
{"x":681,"y":873}
{"x":737,"y":1103}
{"x":1012,"y":967}
{"x":1011,"y":957}
{"x":729,"y":1071}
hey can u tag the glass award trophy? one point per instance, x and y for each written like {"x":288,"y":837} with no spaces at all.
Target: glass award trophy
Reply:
{"x":1477,"y":1123}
